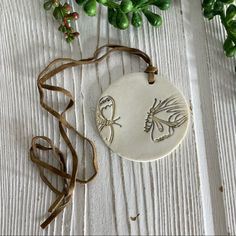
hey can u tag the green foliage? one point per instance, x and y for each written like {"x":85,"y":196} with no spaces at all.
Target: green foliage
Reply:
{"x":121,"y":13}
{"x":226,"y":10}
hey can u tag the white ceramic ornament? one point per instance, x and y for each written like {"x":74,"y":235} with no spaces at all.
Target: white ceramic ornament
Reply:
{"x":142,"y":121}
{"x":142,"y":117}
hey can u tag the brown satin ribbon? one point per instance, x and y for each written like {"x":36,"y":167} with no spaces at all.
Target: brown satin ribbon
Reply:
{"x":69,"y":180}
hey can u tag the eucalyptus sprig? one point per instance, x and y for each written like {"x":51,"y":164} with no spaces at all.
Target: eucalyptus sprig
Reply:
{"x":226,"y":10}
{"x":120,"y":13}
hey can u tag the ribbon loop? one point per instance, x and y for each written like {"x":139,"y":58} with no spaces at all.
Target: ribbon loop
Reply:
{"x":151,"y":70}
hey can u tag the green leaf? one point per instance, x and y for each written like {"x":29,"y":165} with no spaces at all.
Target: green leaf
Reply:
{"x":57,"y":13}
{"x":112,"y":13}
{"x":218,"y":7}
{"x":153,"y":19}
{"x":80,"y":2}
{"x":102,"y":1}
{"x":227,"y":1}
{"x":139,"y":2}
{"x":230,"y":12}
{"x":62,"y":28}
{"x":208,"y":13}
{"x":232,"y":26}
{"x":136,"y":20}
{"x":47,"y":5}
{"x":90,"y":7}
{"x":122,"y":20}
{"x":162,"y":4}
{"x":231,"y":52}
{"x":126,"y":6}
{"x":69,"y":39}
{"x":207,"y":3}
{"x":228,"y":44}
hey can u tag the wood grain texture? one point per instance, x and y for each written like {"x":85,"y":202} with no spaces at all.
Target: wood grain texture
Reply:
{"x":221,"y":74}
{"x":213,"y":92}
{"x":167,"y":194}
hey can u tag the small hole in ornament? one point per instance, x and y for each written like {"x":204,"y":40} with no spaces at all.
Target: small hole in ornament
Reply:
{"x":152,"y":82}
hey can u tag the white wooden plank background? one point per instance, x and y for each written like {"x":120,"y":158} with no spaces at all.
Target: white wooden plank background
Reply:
{"x":177,"y":195}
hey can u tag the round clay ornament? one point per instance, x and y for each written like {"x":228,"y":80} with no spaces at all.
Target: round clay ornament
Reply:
{"x":142,"y":121}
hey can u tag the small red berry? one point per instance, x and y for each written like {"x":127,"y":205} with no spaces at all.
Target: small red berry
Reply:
{"x":75,"y":15}
{"x":67,"y":7}
{"x":76,"y":34}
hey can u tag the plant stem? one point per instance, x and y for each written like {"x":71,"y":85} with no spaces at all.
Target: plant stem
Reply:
{"x":111,"y":4}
